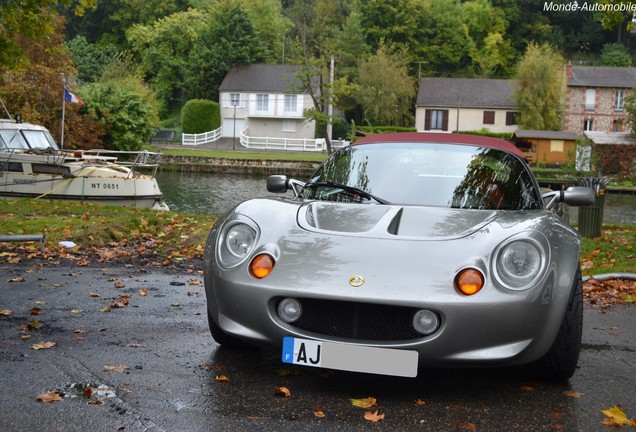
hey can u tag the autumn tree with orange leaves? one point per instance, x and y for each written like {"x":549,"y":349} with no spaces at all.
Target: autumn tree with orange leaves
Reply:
{"x":34,"y":89}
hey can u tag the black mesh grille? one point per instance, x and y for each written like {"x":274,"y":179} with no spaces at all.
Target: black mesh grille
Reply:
{"x":360,"y":321}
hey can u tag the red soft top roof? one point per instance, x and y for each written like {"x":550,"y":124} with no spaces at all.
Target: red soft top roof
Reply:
{"x":445,"y":138}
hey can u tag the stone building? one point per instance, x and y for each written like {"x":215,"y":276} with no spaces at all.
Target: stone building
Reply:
{"x":595,"y":100}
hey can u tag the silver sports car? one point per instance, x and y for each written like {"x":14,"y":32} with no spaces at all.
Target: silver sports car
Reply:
{"x":403,"y":250}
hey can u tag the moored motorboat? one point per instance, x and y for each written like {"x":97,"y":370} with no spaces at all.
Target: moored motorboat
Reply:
{"x":33,"y":166}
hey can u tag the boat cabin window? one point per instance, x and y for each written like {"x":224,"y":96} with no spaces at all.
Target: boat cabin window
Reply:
{"x":12,"y":139}
{"x":40,"y":140}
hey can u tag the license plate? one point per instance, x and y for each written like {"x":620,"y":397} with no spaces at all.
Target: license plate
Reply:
{"x":354,"y":358}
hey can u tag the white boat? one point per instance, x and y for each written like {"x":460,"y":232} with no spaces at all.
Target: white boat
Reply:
{"x":33,"y":166}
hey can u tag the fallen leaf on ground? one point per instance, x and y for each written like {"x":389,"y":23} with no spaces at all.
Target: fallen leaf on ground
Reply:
{"x":319,"y":414}
{"x":373,"y":417}
{"x":573,"y":394}
{"x":420,"y":402}
{"x":115,"y":368}
{"x":221,"y":378}
{"x":5,"y":312}
{"x":49,"y":397}
{"x":364,"y":403}
{"x":143,"y":292}
{"x":16,"y":279}
{"x":43,"y":345}
{"x":616,"y":417}
{"x":465,"y":425}
{"x":94,"y":294}
{"x":282,"y":391}
{"x":36,"y":311}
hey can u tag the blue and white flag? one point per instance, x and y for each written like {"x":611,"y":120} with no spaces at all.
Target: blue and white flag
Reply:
{"x":70,"y":97}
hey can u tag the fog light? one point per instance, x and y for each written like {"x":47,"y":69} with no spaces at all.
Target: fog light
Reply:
{"x":425,"y":322}
{"x":289,"y":310}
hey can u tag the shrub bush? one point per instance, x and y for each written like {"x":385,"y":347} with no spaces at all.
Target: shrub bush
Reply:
{"x":200,"y":115}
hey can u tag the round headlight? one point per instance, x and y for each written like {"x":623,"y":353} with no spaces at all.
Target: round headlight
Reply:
{"x":518,"y":263}
{"x":239,"y":240}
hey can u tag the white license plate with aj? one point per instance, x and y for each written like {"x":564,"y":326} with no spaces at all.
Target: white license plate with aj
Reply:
{"x":354,"y":358}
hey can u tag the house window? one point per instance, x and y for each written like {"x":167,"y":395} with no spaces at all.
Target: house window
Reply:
{"x":619,"y":100}
{"x":289,"y":126}
{"x":235,"y":99}
{"x":291,"y":103}
{"x":588,"y":125}
{"x":262,"y":102}
{"x":489,"y":117}
{"x":590,"y":99}
{"x":617,"y":125}
{"x":511,"y":118}
{"x":436,"y":120}
{"x":556,"y":146}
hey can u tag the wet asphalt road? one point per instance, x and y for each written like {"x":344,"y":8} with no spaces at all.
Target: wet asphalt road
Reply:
{"x":171,"y":364}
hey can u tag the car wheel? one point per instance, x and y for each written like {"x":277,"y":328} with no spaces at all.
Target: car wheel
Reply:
{"x":223,"y":338}
{"x":559,"y":363}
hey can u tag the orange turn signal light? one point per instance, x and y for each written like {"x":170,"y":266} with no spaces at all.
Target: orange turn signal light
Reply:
{"x":261,"y":266}
{"x":469,"y":281}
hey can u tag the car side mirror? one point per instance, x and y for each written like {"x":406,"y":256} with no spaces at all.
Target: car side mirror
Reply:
{"x":282,"y":183}
{"x":277,"y":183}
{"x":574,"y":195}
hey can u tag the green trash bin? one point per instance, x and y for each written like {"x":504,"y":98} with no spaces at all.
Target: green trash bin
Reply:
{"x":591,"y":217}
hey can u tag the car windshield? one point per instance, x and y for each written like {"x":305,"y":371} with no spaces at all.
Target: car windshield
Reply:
{"x":441,"y":175}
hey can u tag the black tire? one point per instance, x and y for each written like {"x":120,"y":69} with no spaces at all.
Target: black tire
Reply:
{"x":560,"y":362}
{"x":223,"y":338}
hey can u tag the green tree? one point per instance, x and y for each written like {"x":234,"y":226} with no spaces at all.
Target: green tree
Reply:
{"x":385,"y":89}
{"x":616,"y":55}
{"x":228,"y":40}
{"x":30,"y":20}
{"x":490,"y":51}
{"x":269,"y":22}
{"x":619,"y":17}
{"x":109,"y":22}
{"x":316,"y":22}
{"x":89,"y":59}
{"x":541,"y":88}
{"x":164,"y":49}
{"x":123,"y":105}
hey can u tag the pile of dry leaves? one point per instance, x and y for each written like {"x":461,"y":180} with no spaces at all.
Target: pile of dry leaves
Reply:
{"x":603,"y":294}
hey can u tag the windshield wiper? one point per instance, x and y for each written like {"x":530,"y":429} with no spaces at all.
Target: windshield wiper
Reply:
{"x":351,"y":189}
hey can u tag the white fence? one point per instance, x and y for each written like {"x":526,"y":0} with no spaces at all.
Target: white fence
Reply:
{"x":285,"y":144}
{"x":202,"y":138}
{"x":265,"y":143}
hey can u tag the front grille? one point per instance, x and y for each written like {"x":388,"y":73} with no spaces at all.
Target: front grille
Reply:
{"x":360,"y":321}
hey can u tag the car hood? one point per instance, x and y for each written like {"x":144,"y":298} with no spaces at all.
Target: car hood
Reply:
{"x":376,"y":221}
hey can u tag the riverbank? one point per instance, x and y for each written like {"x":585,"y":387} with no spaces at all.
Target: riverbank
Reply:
{"x":204,"y":159}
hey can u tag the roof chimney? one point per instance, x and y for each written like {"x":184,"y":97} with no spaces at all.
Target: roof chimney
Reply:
{"x":568,"y":69}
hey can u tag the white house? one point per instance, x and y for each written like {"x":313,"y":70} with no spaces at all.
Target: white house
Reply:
{"x":465,"y":104}
{"x":265,"y":100}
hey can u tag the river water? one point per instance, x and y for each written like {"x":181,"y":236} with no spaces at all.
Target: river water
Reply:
{"x":219,"y":193}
